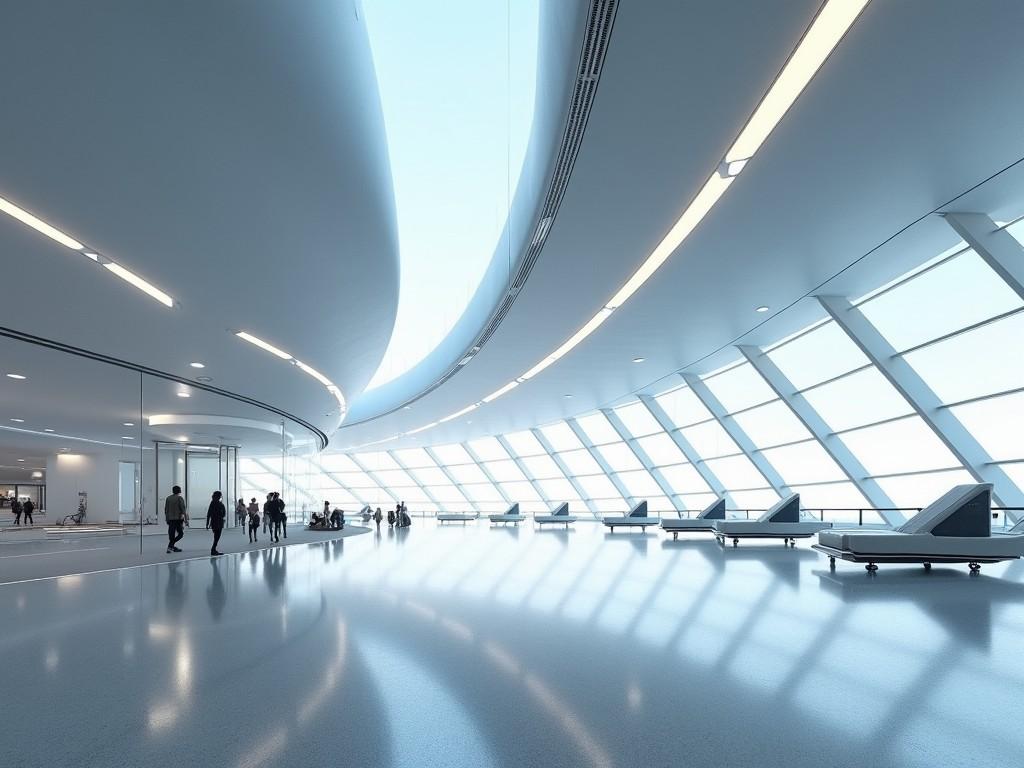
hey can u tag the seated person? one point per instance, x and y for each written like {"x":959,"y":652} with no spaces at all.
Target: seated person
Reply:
{"x":317,"y":521}
{"x":337,"y":519}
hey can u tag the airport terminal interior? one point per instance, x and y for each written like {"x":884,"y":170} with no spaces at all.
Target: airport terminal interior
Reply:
{"x":488,"y":383}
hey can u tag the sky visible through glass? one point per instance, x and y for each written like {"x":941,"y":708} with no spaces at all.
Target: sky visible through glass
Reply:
{"x":457,"y":87}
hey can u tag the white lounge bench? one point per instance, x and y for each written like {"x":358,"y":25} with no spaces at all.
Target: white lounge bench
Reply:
{"x":456,"y":517}
{"x":637,"y":518}
{"x":783,"y":521}
{"x":705,"y":521}
{"x":510,"y":515}
{"x":955,"y":528}
{"x":560,"y":516}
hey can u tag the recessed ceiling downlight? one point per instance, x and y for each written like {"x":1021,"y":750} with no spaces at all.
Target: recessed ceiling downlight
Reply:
{"x":183,"y":394}
{"x":16,"y":376}
{"x":18,"y":421}
{"x":197,"y":365}
{"x":762,"y":308}
{"x":639,"y":359}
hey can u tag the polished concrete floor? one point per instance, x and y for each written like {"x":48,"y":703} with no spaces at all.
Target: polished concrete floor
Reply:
{"x":34,"y":554}
{"x":470,"y":646}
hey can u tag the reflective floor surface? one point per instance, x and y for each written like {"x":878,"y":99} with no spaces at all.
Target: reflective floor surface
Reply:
{"x":470,"y":646}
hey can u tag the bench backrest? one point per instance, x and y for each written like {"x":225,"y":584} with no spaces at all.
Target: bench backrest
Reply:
{"x":563,"y":509}
{"x":714,"y":511}
{"x":964,"y":510}
{"x":640,"y":510}
{"x":513,"y":510}
{"x":785,"y":511}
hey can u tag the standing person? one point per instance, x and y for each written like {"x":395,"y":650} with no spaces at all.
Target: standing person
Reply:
{"x":377,"y":517}
{"x":216,"y":515}
{"x":175,"y":515}
{"x":240,"y":512}
{"x":254,"y":521}
{"x":282,"y":518}
{"x":327,"y":509}
{"x":391,"y":517}
{"x":268,"y":512}
{"x":27,"y":509}
{"x":16,"y":508}
{"x":275,"y":520}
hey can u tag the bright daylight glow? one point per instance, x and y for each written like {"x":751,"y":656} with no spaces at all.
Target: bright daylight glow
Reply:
{"x":457,"y":129}
{"x":825,"y":32}
{"x":39,"y":225}
{"x":144,"y":286}
{"x":263,"y":345}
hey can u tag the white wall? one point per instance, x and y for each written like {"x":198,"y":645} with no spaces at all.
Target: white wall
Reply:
{"x":95,"y":472}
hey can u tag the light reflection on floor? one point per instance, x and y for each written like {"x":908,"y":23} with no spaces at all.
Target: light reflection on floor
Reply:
{"x":476,"y":646}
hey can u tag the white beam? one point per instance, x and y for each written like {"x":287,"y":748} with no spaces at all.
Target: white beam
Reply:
{"x":963,"y":445}
{"x":643,"y":458}
{"x":999,"y":249}
{"x":815,"y":424}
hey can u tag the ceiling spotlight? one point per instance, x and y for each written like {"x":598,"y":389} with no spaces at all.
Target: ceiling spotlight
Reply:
{"x":639,"y":359}
{"x":126,"y":437}
{"x":16,"y":376}
{"x":183,"y":394}
{"x":48,"y":430}
{"x":128,"y":424}
{"x":20,"y":459}
{"x":569,"y":396}
{"x":406,"y":407}
{"x":762,"y":308}
{"x":197,"y":365}
{"x":18,"y":421}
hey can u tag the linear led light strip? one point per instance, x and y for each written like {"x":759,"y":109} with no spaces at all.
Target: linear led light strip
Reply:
{"x":328,"y":384}
{"x":68,"y":242}
{"x":828,"y":28}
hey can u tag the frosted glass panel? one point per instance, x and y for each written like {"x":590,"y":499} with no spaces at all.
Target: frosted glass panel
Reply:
{"x":638,"y":419}
{"x":414,"y":457}
{"x":640,"y":484}
{"x":522,"y":491}
{"x":832,"y":496}
{"x":558,"y":490}
{"x":597,"y":429}
{"x":860,"y":398}
{"x":451,"y":454}
{"x":597,"y":487}
{"x":736,"y":472}
{"x":482,"y":492}
{"x":997,"y":423}
{"x":524,"y":443}
{"x":332,"y":462}
{"x":772,"y":424}
{"x":447,"y":494}
{"x":695,"y":503}
{"x":580,"y":462}
{"x":684,"y":479}
{"x":921,"y":490}
{"x":390,"y":477}
{"x":430,"y":476}
{"x":907,"y":445}
{"x":619,"y":457}
{"x":504,"y":470}
{"x":803,"y":463}
{"x":821,"y":354}
{"x":561,"y":437}
{"x":739,"y":387}
{"x":488,"y":449}
{"x":980,"y":362}
{"x":683,"y":407}
{"x":754,"y":500}
{"x":661,"y":449}
{"x":467,"y":473}
{"x":946,"y":298}
{"x":541,"y":467}
{"x":376,"y":460}
{"x":710,"y":440}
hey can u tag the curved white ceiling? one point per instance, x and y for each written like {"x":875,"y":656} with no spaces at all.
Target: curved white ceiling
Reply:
{"x":234,"y":157}
{"x":878,"y":139}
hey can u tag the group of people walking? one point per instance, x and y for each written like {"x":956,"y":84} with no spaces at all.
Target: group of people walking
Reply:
{"x":274,"y":518}
{"x":26,"y":509}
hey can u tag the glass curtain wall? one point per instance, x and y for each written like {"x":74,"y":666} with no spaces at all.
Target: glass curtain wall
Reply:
{"x":952,"y":319}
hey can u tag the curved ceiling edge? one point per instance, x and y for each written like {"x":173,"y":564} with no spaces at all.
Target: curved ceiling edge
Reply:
{"x":58,"y":346}
{"x":563,"y":108}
